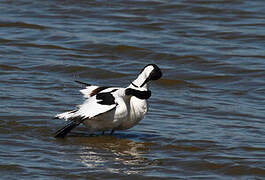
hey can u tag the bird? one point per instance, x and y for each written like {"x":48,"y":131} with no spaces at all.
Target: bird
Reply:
{"x":111,"y":108}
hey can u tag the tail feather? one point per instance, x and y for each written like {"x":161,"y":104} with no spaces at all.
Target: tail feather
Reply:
{"x":66,"y":115}
{"x":86,"y":84}
{"x":61,"y":133}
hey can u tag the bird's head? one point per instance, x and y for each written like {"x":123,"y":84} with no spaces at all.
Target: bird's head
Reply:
{"x":150,"y":72}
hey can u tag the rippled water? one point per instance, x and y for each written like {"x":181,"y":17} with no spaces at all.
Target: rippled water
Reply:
{"x":206,"y":119}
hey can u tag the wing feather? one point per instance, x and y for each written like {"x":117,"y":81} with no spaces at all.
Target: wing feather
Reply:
{"x":99,"y":101}
{"x":93,"y":106}
{"x":87,"y":92}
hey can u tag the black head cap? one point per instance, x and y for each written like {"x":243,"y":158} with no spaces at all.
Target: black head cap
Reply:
{"x":155,"y":74}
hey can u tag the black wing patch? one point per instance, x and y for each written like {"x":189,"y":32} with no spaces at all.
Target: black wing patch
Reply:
{"x":98,"y":90}
{"x":106,"y":98}
{"x":62,"y":132}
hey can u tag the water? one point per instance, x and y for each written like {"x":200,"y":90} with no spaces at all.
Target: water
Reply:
{"x":206,"y":118}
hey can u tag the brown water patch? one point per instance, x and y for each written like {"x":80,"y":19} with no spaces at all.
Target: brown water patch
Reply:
{"x":21,"y":25}
{"x":174,"y":82}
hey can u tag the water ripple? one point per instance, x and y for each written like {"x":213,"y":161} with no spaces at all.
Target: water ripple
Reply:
{"x":206,"y":116}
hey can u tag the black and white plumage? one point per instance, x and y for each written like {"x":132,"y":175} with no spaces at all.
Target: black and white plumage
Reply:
{"x":112,"y":108}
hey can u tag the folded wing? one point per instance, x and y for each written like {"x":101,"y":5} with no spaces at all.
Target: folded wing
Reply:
{"x":95,"y":105}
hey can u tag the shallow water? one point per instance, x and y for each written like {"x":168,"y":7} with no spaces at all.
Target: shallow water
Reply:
{"x":206,"y":117}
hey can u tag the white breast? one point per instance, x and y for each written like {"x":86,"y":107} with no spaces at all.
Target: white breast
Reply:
{"x":137,"y":109}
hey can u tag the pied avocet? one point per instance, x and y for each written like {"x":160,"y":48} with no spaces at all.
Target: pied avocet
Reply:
{"x":112,"y":108}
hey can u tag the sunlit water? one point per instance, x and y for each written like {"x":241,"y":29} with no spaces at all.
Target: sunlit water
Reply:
{"x":206,"y":117}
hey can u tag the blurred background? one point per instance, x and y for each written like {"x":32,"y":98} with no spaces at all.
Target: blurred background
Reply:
{"x":206,"y":116}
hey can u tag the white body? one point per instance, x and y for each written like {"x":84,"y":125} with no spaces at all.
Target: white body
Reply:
{"x":126,"y":113}
{"x":112,"y":108}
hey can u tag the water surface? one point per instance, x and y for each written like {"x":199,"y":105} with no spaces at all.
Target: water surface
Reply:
{"x":206,"y":118}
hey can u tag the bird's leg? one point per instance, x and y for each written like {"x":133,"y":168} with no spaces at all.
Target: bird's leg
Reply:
{"x":112,"y":131}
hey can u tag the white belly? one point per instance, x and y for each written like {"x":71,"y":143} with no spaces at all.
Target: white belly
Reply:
{"x":102,"y":122}
{"x":125,"y":116}
{"x":137,"y":109}
{"x":108,"y":120}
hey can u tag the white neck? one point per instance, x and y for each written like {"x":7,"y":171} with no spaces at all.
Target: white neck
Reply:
{"x":140,"y":80}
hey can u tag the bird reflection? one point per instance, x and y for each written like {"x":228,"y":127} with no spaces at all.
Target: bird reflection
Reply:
{"x":114,"y":154}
